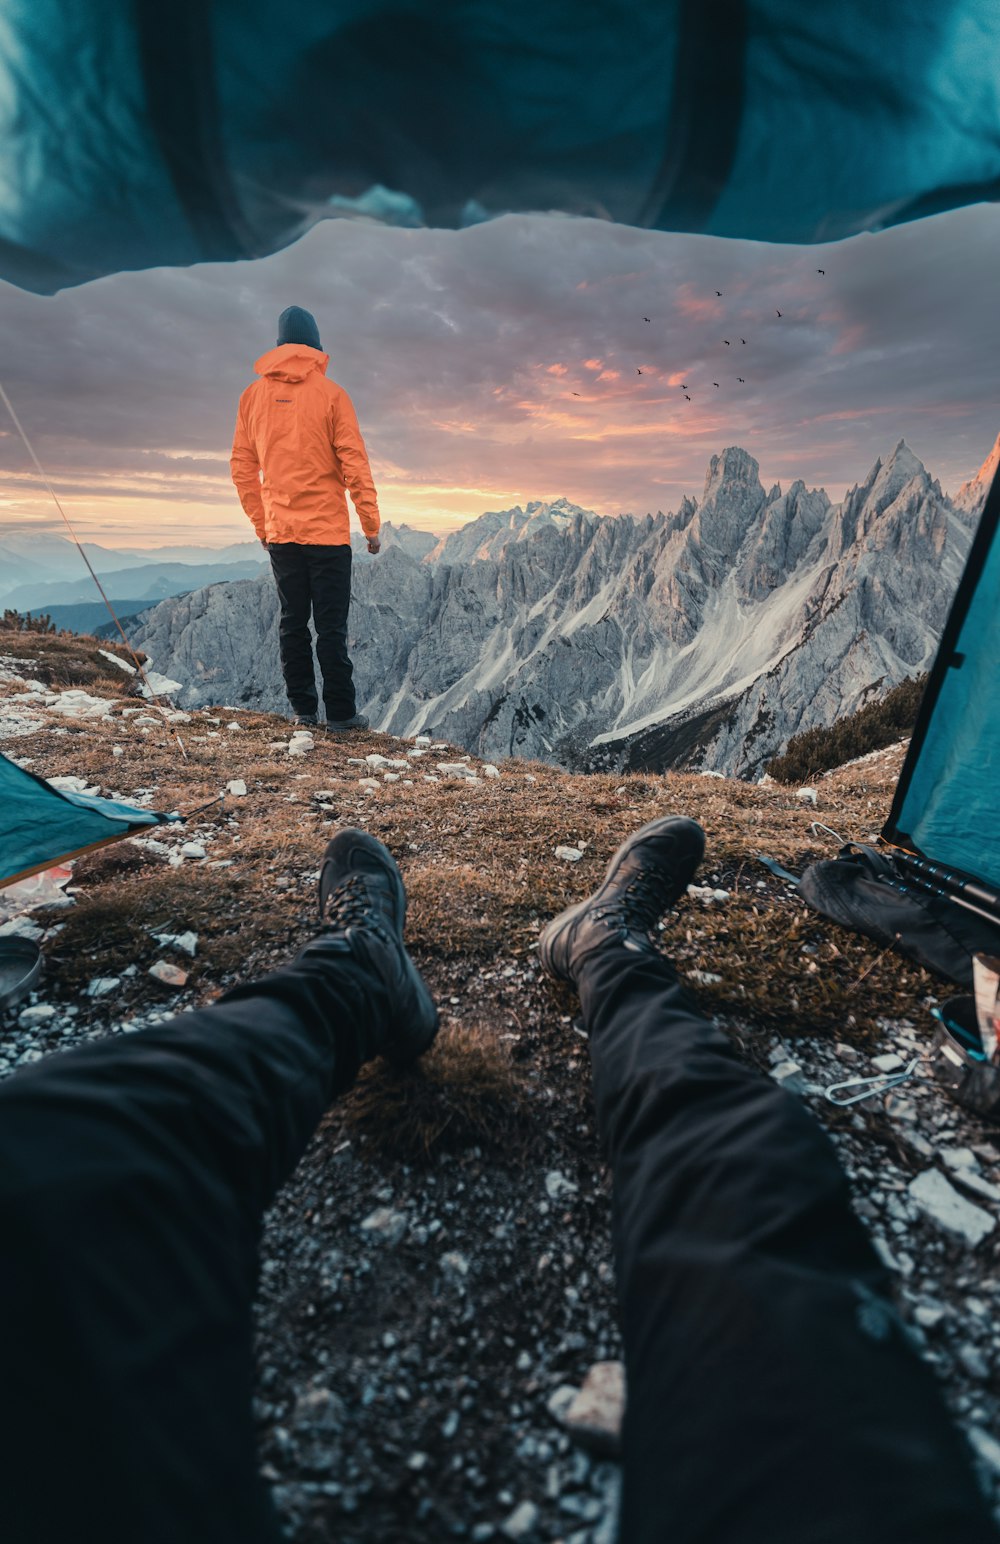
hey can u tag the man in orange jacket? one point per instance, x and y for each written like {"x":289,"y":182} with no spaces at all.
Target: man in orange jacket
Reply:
{"x":301,"y":431}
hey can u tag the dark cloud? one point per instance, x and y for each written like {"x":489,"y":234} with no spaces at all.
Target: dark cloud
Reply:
{"x":463,"y":352}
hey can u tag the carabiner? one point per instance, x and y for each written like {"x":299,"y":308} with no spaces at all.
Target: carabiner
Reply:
{"x":871,"y":1086}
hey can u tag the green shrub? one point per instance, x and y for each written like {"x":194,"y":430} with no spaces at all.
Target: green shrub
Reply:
{"x":875,"y":725}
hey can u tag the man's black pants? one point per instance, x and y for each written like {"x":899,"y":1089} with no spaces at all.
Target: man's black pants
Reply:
{"x":316,"y":581}
{"x":772,"y":1396}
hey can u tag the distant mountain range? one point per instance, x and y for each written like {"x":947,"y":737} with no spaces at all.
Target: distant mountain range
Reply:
{"x":705,"y":638}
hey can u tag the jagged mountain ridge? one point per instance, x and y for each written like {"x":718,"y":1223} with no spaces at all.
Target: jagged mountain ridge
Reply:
{"x":703,"y":637}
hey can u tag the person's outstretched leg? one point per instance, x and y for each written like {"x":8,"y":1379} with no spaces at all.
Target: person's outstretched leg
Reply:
{"x":773,"y":1397}
{"x":133,"y":1175}
{"x":290,"y":566}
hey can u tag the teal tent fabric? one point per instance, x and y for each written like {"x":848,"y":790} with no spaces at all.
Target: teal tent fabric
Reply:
{"x":150,"y":134}
{"x":41,"y":825}
{"x":947,"y":804}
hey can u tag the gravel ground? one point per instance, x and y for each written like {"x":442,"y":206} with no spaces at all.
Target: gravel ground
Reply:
{"x":423,"y":1310}
{"x":415,"y":1319}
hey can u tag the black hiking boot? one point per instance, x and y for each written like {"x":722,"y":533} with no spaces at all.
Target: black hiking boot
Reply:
{"x":647,"y":875}
{"x":362,"y":906}
{"x":310,"y":719}
{"x":342,"y":725}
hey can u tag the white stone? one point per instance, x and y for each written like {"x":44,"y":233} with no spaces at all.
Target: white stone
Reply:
{"x":522,"y":1522}
{"x":168,"y":975}
{"x":489,"y":770}
{"x":557,"y":1185}
{"x":375,"y":760}
{"x":986,"y":1447}
{"x":113,"y":659}
{"x":235,"y":728}
{"x":595,"y":1413}
{"x":237,"y":787}
{"x":192,"y":850}
{"x":569,"y":854}
{"x":102,"y":985}
{"x":890,"y":1062}
{"x":31,"y":1018}
{"x":421,"y":739}
{"x":454,"y":1264}
{"x":806,"y":795}
{"x":187,"y":942}
{"x":959,"y":1157}
{"x":390,"y":777}
{"x":386,"y":1224}
{"x":788,"y":1074}
{"x":116,"y":750}
{"x":941,"y":1202}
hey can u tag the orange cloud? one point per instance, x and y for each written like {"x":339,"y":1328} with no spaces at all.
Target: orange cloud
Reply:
{"x":610,"y":375}
{"x":690,"y":303}
{"x":556,"y":370}
{"x":593,"y":364}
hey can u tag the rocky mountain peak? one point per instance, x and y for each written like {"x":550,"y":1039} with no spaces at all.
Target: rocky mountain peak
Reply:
{"x":971,"y":496}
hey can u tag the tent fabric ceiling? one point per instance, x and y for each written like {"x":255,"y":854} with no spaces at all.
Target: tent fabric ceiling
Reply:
{"x":148,"y":135}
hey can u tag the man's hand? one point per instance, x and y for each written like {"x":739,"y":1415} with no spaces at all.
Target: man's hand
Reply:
{"x":374,"y":545}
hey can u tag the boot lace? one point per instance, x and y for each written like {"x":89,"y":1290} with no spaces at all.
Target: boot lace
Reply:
{"x":638,"y":906}
{"x":349,"y":905}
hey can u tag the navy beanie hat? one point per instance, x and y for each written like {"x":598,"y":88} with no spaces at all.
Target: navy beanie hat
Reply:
{"x":298,"y":326}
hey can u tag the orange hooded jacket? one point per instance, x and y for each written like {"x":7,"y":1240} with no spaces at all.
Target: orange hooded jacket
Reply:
{"x":302,"y":431}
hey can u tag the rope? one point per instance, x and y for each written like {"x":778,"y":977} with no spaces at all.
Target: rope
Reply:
{"x":114,"y":617}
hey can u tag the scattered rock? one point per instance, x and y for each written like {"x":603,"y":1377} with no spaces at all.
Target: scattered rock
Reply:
{"x":557,"y":1185}
{"x":168,"y":975}
{"x":237,"y":787}
{"x":522,"y":1522}
{"x":385,"y":1224}
{"x":807,"y":795}
{"x":594,"y":1413}
{"x":942,"y":1204}
{"x":489,"y":770}
{"x":790,"y":1075}
{"x":192,"y":850}
{"x":33,"y":1018}
{"x":569,"y":854}
{"x":186,"y":942}
{"x":102,"y":985}
{"x":888,"y":1063}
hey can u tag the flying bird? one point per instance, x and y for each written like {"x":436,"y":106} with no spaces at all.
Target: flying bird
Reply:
{"x":576,"y":394}
{"x":727,"y":342}
{"x":741,"y":380}
{"x":821,"y":270}
{"x":718,"y":292}
{"x":686,"y":397}
{"x":715,"y":383}
{"x":637,"y":370}
{"x":683,"y":388}
{"x":743,"y":340}
{"x":777,"y":313}
{"x":647,"y":318}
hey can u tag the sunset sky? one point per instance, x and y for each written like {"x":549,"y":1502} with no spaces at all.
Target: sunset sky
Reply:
{"x":464,"y":353}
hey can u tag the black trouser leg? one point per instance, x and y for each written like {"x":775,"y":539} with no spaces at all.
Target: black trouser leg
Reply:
{"x":133,"y":1175}
{"x":330,"y":581}
{"x":772,"y":1395}
{"x":290,"y":566}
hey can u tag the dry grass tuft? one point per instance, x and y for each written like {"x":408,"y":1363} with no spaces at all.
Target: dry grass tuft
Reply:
{"x":466,"y":1092}
{"x":63,"y":660}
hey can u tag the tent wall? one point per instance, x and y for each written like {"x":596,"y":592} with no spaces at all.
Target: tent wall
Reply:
{"x":947,"y":803}
{"x":41,"y":825}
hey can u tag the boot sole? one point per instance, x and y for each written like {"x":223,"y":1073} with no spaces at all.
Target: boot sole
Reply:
{"x":567,"y":919}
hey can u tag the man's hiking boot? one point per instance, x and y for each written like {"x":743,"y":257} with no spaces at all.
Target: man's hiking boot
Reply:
{"x":647,"y":875}
{"x":342,"y":725}
{"x":310,"y":719}
{"x":362,"y":904}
